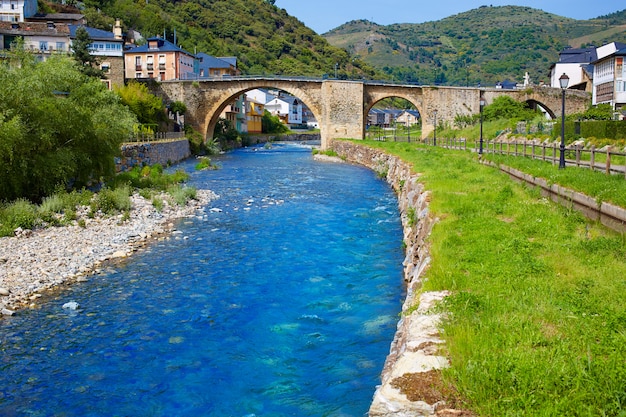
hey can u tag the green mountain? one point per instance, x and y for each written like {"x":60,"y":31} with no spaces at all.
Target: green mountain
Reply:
{"x":484,"y":45}
{"x":263,"y":37}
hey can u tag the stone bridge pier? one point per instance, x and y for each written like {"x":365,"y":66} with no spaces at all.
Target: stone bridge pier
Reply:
{"x":341,"y":107}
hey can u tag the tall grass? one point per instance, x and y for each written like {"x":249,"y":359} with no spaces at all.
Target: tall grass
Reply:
{"x":537,"y":312}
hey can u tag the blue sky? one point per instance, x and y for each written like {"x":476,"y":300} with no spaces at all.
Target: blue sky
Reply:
{"x":324,"y":15}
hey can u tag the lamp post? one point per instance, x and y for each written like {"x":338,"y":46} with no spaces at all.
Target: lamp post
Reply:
{"x":564,"y":81}
{"x":482,"y":104}
{"x":435,"y":131}
{"x":336,"y":66}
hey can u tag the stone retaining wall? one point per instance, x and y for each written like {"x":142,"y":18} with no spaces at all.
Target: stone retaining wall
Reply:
{"x":150,"y":153}
{"x":413,"y":349}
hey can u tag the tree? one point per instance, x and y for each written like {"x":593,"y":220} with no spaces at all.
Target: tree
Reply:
{"x":504,"y":107}
{"x":58,"y":127}
{"x":148,"y":108}
{"x":81,"y":49}
{"x":272,"y":124}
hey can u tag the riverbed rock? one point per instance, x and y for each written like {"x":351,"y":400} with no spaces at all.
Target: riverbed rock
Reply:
{"x":4,"y":292}
{"x":72,"y":305}
{"x":41,"y":259}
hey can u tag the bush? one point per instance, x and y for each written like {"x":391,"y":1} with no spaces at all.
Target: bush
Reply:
{"x":181,"y":195}
{"x":111,"y":201}
{"x":20,"y":213}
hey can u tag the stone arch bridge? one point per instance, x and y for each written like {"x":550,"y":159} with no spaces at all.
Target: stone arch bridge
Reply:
{"x":341,"y":107}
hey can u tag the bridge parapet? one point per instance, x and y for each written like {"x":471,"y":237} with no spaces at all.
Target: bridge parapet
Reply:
{"x":341,"y":107}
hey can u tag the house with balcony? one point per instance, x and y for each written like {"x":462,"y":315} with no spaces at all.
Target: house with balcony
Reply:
{"x":609,"y":81}
{"x":13,"y":11}
{"x":42,"y":39}
{"x":254,"y":115}
{"x":287,"y":108}
{"x":235,"y":113}
{"x":159,"y":59}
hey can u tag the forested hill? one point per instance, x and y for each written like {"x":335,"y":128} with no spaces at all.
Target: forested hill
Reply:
{"x":264,"y":38}
{"x":484,"y":45}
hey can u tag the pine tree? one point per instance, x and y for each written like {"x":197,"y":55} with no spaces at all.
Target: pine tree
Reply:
{"x":88,"y":63}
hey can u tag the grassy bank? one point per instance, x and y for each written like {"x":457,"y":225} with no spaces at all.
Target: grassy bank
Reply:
{"x":537,"y":315}
{"x":60,"y":208}
{"x":609,"y":188}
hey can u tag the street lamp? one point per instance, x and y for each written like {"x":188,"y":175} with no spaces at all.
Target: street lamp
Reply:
{"x":336,"y":66}
{"x":435,"y":131}
{"x":482,"y":104}
{"x":563,"y":80}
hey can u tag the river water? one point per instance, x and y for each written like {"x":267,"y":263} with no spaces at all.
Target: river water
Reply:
{"x":280,"y":300}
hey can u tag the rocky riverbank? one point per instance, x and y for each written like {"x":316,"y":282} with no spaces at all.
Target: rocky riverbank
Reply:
{"x":411,"y":379}
{"x":35,"y":261}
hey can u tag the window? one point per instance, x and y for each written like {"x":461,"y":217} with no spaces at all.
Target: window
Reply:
{"x":106,"y":66}
{"x":619,"y":66}
{"x":137,"y":63}
{"x":43,"y":45}
{"x":60,"y":46}
{"x":161,"y":62}
{"x":150,"y":62}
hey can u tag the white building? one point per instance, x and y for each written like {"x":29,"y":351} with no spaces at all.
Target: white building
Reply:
{"x":17,"y":10}
{"x":287,"y":108}
{"x":609,"y":81}
{"x":260,"y":95}
{"x":41,"y":39}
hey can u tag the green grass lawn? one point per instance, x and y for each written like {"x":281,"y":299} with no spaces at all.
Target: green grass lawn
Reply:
{"x":537,"y":317}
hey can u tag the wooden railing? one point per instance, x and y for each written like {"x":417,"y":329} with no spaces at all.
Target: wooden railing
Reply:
{"x":609,"y":159}
{"x":156,"y":136}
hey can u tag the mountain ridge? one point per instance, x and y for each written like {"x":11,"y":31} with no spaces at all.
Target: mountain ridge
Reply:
{"x":481,"y":46}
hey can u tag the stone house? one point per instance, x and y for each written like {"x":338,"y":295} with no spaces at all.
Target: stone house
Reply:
{"x":108,"y":47}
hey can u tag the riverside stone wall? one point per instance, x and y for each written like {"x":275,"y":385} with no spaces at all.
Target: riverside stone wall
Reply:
{"x":414,"y":348}
{"x":150,"y":153}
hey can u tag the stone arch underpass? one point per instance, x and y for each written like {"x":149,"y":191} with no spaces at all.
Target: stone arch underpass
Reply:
{"x":341,"y":107}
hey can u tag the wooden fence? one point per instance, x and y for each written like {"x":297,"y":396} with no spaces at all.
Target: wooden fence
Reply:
{"x":155,"y":137}
{"x":609,"y":159}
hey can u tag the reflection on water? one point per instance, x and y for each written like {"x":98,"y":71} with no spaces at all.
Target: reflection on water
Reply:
{"x":281,"y":303}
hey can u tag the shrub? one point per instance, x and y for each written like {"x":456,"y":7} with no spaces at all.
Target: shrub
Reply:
{"x":111,"y":201}
{"x":181,"y":195}
{"x":20,"y":213}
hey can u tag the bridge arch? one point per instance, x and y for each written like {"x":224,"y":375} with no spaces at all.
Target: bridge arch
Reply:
{"x":212,"y":116}
{"x":534,"y":104}
{"x":341,"y":106}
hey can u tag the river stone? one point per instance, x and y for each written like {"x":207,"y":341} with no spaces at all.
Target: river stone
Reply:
{"x":4,"y":292}
{"x":72,"y":305}
{"x":7,"y":312}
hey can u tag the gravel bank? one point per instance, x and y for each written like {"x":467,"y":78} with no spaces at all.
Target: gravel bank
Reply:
{"x":35,"y":261}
